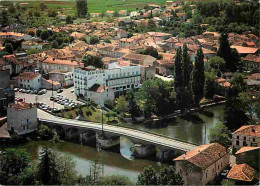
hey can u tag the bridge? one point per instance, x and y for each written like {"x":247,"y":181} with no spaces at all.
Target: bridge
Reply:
{"x":146,"y":142}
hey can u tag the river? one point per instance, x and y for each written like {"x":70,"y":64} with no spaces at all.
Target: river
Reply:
{"x":191,"y":130}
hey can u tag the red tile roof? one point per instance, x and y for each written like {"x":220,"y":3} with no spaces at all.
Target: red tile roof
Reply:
{"x":246,"y":149}
{"x":205,"y":155}
{"x":253,"y":58}
{"x":27,"y":76}
{"x":245,"y":50}
{"x":249,"y":130}
{"x":61,"y":62}
{"x":22,"y":105}
{"x":242,"y":172}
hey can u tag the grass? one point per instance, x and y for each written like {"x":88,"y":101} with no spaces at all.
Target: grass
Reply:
{"x":89,"y":114}
{"x":95,"y":6}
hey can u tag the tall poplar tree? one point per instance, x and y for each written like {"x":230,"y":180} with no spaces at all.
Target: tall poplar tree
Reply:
{"x":187,"y":67}
{"x":82,"y":8}
{"x":198,"y":77}
{"x":178,"y":81}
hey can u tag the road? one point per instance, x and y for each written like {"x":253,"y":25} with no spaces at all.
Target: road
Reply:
{"x":121,"y":131}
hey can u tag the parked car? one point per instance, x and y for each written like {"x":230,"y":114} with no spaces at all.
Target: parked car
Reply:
{"x":27,"y":91}
{"x":35,"y":91}
{"x":59,"y":90}
{"x":72,"y":91}
{"x":31,"y":92}
{"x":16,"y":89}
{"x":23,"y":91}
{"x":170,"y":76}
{"x":164,"y":75}
{"x":52,"y":98}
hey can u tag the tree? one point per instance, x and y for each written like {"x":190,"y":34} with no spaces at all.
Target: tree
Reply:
{"x":178,"y":80}
{"x":187,"y":67}
{"x":121,"y":105}
{"x":38,"y":33}
{"x":69,"y":20}
{"x":82,"y":8}
{"x":218,"y":64}
{"x":15,"y":168}
{"x":54,"y":44}
{"x":198,"y":80}
{"x":90,"y":60}
{"x":44,"y":132}
{"x":226,"y":53}
{"x":43,"y":6}
{"x":168,"y":176}
{"x":37,"y":14}
{"x":44,"y":35}
{"x":4,"y":20}
{"x":115,"y":180}
{"x":147,"y":177}
{"x":220,"y":134}
{"x":32,"y":51}
{"x":210,"y":84}
{"x":151,"y":25}
{"x":9,"y":48}
{"x":93,"y":40}
{"x":151,"y":51}
{"x":52,"y":13}
{"x":227,"y":182}
{"x":48,"y":168}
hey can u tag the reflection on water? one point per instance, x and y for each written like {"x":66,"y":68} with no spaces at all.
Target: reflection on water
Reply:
{"x":189,"y":129}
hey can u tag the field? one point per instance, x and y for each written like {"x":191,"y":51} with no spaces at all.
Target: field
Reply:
{"x":94,"y":6}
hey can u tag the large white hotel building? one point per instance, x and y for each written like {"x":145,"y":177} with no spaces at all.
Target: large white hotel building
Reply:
{"x":106,"y":81}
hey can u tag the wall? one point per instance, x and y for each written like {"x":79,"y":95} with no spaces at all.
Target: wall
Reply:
{"x":4,"y":78}
{"x":23,"y":121}
{"x":239,"y":141}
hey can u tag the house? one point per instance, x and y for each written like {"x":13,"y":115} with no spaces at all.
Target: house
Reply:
{"x":15,"y":65}
{"x":22,"y":118}
{"x":248,"y":155}
{"x":251,"y":62}
{"x":147,"y":72}
{"x":247,"y":135}
{"x":99,"y":94}
{"x":77,"y":35}
{"x":202,"y":164}
{"x":31,"y":44}
{"x":125,"y":42}
{"x":140,"y":59}
{"x":14,"y":35}
{"x":160,"y":35}
{"x":65,"y":78}
{"x":50,"y":64}
{"x":121,"y":34}
{"x":241,"y":173}
{"x":122,"y":13}
{"x":244,"y":51}
{"x":50,"y":84}
{"x":116,"y":77}
{"x":110,"y":13}
{"x":29,"y":80}
{"x":164,"y":66}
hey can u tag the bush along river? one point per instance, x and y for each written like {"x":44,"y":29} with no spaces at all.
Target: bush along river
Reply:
{"x":194,"y":128}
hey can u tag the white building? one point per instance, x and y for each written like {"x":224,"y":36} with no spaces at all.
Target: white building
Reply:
{"x":29,"y":80}
{"x":114,"y":79}
{"x":22,"y":118}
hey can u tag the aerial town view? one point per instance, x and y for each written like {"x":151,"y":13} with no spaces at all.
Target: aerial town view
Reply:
{"x":129,"y":92}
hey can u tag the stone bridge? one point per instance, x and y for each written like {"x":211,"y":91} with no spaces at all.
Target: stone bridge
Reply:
{"x":146,"y":143}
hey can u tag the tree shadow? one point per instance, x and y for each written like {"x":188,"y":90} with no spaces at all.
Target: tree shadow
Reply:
{"x":207,"y":113}
{"x":192,"y":118}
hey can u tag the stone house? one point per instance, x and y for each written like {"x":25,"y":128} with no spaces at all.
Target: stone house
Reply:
{"x":22,"y":118}
{"x":29,"y":80}
{"x":99,"y":94}
{"x":247,"y":135}
{"x":202,"y":164}
{"x":248,"y":155}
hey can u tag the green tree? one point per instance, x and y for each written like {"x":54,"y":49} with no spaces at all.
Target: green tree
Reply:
{"x":187,"y":67}
{"x":115,"y":180}
{"x":178,"y":79}
{"x":54,"y":44}
{"x":44,"y":35}
{"x":168,"y":176}
{"x":226,"y":53}
{"x":151,"y":51}
{"x":218,"y":64}
{"x":15,"y":168}
{"x":147,"y":177}
{"x":82,"y":8}
{"x":198,"y":80}
{"x":151,"y":25}
{"x":9,"y":48}
{"x":93,"y":40}
{"x":121,"y":105}
{"x":48,"y":168}
{"x":90,"y":60}
{"x":4,"y":20}
{"x":238,"y":82}
{"x":44,"y":132}
{"x":43,"y":6}
{"x":69,"y":20}
{"x":220,"y":134}
{"x":210,"y":84}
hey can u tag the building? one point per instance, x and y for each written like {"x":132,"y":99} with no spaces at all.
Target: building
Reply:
{"x":140,"y":59}
{"x":50,"y":64}
{"x":14,"y":35}
{"x":200,"y":165}
{"x":65,"y":78}
{"x":118,"y":78}
{"x":29,"y":80}
{"x":147,"y":72}
{"x":252,"y":62}
{"x":247,"y":135}
{"x":50,"y":85}
{"x":248,"y":155}
{"x":241,"y":173}
{"x":99,"y":94}
{"x":22,"y":118}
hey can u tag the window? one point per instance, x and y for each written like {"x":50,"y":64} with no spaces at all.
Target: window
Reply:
{"x":27,"y":127}
{"x":27,"y":121}
{"x":206,"y":174}
{"x":237,"y":142}
{"x":237,"y":137}
{"x":213,"y":170}
{"x":28,"y":80}
{"x":253,"y":139}
{"x":244,"y":138}
{"x":23,"y":127}
{"x":244,"y":143}
{"x":218,"y":167}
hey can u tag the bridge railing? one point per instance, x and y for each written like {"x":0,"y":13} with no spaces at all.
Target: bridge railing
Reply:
{"x":132,"y":128}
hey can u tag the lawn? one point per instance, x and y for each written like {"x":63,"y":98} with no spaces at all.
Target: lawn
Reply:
{"x":88,"y":113}
{"x":93,"y":5}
